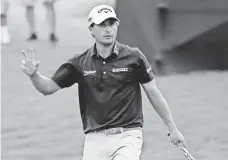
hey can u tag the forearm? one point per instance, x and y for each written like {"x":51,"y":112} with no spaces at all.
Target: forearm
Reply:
{"x":41,"y":83}
{"x":162,"y":108}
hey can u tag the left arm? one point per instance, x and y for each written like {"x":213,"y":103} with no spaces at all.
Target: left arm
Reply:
{"x":159,"y":103}
{"x":146,"y":78}
{"x":162,"y":108}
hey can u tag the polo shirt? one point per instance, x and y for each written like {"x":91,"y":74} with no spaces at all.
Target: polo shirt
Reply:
{"x":109,"y":89}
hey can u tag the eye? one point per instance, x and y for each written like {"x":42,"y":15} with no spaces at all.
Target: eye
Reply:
{"x":101,"y":24}
{"x":112,"y":23}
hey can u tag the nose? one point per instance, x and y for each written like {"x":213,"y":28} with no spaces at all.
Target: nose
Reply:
{"x":108,"y":28}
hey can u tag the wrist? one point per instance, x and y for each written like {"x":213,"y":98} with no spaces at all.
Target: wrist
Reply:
{"x":173,"y":130}
{"x":172,"y":127}
{"x":34,"y":74}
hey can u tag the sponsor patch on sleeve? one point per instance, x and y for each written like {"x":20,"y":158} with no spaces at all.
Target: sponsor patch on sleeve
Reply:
{"x":149,"y":70}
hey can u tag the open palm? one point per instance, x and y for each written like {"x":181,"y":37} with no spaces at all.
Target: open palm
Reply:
{"x":29,"y":66}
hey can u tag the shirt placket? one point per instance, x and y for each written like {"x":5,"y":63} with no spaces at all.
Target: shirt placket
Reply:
{"x":101,"y":73}
{"x":104,"y":71}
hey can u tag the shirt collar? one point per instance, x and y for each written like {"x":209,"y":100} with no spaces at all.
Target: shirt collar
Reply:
{"x":115,"y":49}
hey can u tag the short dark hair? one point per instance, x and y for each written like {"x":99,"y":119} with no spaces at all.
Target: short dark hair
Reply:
{"x":92,"y":25}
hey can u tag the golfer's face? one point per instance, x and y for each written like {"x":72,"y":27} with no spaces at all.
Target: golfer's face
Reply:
{"x":106,"y":32}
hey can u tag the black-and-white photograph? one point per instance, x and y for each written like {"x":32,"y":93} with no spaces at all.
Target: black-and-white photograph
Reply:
{"x":114,"y":79}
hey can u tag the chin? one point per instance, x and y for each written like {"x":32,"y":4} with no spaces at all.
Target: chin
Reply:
{"x":108,"y":42}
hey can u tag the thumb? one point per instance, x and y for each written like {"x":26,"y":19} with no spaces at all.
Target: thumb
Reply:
{"x":22,"y":67}
{"x":183,"y":142}
{"x":37,"y":63}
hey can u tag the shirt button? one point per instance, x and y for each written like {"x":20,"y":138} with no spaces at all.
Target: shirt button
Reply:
{"x":104,"y":72}
{"x":104,"y":62}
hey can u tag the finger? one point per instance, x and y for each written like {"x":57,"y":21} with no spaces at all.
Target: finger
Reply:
{"x":37,"y":63}
{"x":31,"y":54}
{"x":22,"y":67}
{"x":183,"y":143}
{"x":175,"y":143}
{"x":25,"y":54}
{"x":23,"y":62}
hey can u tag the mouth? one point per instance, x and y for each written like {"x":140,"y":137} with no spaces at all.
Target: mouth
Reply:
{"x":108,"y":36}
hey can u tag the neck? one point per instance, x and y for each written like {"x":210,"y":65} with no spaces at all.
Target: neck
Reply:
{"x":104,"y":50}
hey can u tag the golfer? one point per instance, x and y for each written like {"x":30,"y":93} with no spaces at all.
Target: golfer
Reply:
{"x":109,"y":75}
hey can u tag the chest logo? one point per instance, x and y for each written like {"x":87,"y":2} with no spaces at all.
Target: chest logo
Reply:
{"x":86,"y":73}
{"x":119,"y":69}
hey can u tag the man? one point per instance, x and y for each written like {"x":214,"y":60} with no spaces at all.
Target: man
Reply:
{"x":109,"y":75}
{"x":50,"y":15}
{"x":5,"y":36}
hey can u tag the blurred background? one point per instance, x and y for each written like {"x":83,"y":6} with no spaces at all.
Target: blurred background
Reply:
{"x":186,"y":43}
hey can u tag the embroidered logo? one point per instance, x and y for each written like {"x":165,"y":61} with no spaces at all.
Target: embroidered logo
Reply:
{"x":86,"y":73}
{"x":106,"y":10}
{"x":148,"y":70}
{"x":90,"y":19}
{"x":119,"y":69}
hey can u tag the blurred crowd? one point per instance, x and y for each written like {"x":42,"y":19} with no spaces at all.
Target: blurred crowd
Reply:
{"x":30,"y":17}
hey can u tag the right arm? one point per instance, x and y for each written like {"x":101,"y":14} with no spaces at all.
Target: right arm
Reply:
{"x":43,"y":84}
{"x":65,"y":76}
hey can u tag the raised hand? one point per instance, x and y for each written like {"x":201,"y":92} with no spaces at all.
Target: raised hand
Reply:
{"x":28,"y":65}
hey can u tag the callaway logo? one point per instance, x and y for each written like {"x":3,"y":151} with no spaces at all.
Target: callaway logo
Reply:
{"x":120,"y":70}
{"x":106,"y":10}
{"x":89,"y":73}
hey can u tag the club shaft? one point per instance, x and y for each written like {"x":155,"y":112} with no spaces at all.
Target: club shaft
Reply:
{"x":186,"y":153}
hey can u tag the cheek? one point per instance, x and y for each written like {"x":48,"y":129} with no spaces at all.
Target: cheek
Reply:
{"x":97,"y":33}
{"x":115,"y":30}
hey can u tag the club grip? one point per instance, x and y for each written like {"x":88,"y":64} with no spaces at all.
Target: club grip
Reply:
{"x":184,"y":150}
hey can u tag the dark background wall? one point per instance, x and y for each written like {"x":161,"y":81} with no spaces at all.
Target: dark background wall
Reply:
{"x":177,"y":35}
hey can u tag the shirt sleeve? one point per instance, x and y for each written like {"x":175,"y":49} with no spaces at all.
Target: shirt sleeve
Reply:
{"x":66,"y":75}
{"x":144,"y":70}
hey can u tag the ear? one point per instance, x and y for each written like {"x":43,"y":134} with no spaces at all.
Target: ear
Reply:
{"x":117,"y":23}
{"x":91,"y":30}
